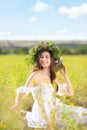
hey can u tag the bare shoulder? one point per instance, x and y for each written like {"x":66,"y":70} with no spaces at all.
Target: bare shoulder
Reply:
{"x":32,"y":79}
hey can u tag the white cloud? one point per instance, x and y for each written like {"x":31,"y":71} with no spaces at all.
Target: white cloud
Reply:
{"x":32,"y":19}
{"x":40,"y":6}
{"x":57,"y":36}
{"x":75,"y":11}
{"x":5,"y":34}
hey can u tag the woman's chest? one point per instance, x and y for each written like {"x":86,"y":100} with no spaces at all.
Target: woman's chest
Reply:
{"x":43,"y":80}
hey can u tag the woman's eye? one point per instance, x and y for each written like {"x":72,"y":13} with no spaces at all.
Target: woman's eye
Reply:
{"x":41,"y":56}
{"x":44,"y":57}
{"x":47,"y":56}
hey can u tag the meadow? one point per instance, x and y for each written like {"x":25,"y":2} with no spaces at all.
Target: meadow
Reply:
{"x":14,"y":73}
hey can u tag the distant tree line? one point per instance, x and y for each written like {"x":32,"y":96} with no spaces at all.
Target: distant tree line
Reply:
{"x":19,"y":50}
{"x":74,"y":50}
{"x":68,"y":49}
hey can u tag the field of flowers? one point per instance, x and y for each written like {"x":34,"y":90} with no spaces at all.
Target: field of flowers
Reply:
{"x":14,"y":73}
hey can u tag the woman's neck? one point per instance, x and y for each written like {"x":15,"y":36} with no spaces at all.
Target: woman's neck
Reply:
{"x":46,"y":71}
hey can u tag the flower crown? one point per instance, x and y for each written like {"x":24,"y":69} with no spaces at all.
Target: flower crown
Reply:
{"x":50,"y":46}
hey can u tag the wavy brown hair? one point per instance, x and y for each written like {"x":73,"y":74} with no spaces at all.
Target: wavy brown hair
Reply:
{"x":52,"y":65}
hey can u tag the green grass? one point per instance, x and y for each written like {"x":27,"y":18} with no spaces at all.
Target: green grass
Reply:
{"x":14,"y":73}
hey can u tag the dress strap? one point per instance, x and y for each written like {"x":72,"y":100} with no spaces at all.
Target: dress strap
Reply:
{"x":24,"y":89}
{"x":29,"y":78}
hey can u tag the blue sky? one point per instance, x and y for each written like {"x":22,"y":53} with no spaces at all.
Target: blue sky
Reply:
{"x":43,"y":19}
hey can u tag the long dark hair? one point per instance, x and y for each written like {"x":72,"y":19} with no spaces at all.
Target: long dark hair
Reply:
{"x":52,"y":65}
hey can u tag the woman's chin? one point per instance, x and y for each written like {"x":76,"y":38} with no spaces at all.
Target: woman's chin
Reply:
{"x":45,"y":66}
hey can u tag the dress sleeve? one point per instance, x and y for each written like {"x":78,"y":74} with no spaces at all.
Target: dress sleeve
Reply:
{"x":24,"y":89}
{"x":62,"y":89}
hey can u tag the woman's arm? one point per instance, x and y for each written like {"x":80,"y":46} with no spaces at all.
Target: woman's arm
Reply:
{"x":23,"y":92}
{"x":69,"y":90}
{"x":18,"y":100}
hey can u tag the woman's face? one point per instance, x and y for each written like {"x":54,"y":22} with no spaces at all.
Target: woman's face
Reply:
{"x":45,"y":59}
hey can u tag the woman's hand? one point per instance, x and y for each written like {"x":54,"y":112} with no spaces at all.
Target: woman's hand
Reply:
{"x":63,"y":70}
{"x":18,"y":100}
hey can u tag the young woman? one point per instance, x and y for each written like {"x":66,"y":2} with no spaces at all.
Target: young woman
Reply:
{"x":44,"y":86}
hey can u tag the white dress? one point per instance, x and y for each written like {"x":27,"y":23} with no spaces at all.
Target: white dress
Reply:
{"x":48,"y":108}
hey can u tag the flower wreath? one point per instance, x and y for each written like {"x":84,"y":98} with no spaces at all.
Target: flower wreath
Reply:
{"x":51,"y":46}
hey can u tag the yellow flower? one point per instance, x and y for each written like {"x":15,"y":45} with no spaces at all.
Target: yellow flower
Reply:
{"x":52,"y":122}
{"x":3,"y":126}
{"x":54,"y":84}
{"x":46,"y":81}
{"x":72,"y":104}
{"x":44,"y":116}
{"x":33,"y":81}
